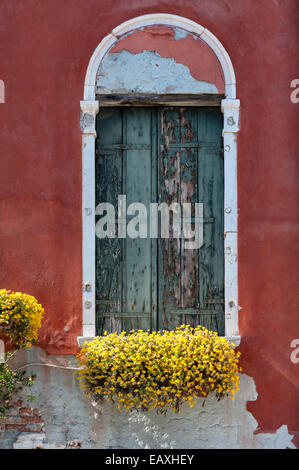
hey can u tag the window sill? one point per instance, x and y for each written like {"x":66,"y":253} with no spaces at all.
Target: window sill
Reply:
{"x":236,"y":340}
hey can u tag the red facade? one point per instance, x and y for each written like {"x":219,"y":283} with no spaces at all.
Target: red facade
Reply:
{"x":46,"y":47}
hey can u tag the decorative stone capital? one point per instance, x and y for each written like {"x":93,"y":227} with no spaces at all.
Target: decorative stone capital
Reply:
{"x":89,"y":110}
{"x":231,"y":110}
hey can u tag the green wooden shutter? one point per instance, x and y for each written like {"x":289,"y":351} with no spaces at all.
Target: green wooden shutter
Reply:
{"x":160,"y":155}
{"x":191,"y":282}
{"x":126,"y":268}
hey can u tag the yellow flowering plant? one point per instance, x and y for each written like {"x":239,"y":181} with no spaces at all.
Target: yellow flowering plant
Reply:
{"x":20,"y":317}
{"x":159,"y":370}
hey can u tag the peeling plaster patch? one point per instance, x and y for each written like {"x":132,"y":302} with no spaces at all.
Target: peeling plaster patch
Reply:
{"x":147,"y":72}
{"x":216,"y":425}
{"x":71,"y":419}
{"x":27,"y":440}
{"x":123,"y":36}
{"x":281,"y":439}
{"x":187,"y":49}
{"x":180,"y":33}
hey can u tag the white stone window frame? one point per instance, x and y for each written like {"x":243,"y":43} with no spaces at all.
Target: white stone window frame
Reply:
{"x":230,"y":107}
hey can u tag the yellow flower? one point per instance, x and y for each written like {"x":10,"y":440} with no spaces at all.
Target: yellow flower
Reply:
{"x":23,"y":314}
{"x":159,"y":370}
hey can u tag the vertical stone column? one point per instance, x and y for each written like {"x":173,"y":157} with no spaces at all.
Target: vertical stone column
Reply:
{"x":230,"y":109}
{"x":89,"y":110}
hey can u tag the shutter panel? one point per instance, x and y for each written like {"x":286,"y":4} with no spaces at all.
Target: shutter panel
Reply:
{"x":191,"y":282}
{"x":126,"y":268}
{"x":211,"y":193}
{"x":108,"y":250}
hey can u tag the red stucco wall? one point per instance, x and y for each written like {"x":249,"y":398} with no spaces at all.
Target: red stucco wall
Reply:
{"x":45,"y":49}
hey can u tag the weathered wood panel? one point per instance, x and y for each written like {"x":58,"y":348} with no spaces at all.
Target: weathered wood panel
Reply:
{"x":138,"y":179}
{"x":109,"y":183}
{"x":211,"y":193}
{"x":169,"y":249}
{"x":148,"y":99}
{"x":191,"y":282}
{"x":125,"y":267}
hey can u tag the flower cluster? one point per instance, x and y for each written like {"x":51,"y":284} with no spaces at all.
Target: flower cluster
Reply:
{"x":20,"y":317}
{"x":160,"y":370}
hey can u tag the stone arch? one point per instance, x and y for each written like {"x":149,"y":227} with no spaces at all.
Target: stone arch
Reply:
{"x":230,"y":108}
{"x":153,"y":20}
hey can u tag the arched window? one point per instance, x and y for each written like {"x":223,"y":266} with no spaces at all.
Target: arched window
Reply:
{"x":154,"y":115}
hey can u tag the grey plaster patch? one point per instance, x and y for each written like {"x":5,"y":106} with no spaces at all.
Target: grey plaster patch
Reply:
{"x":70,"y":417}
{"x":209,"y":425}
{"x":27,"y":440}
{"x":180,"y":33}
{"x":147,"y":72}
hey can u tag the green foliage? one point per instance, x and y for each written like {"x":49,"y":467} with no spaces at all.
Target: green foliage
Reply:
{"x":20,"y":320}
{"x":11,"y":383}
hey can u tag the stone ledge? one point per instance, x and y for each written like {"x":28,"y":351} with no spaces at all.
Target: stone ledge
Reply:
{"x":235,"y":340}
